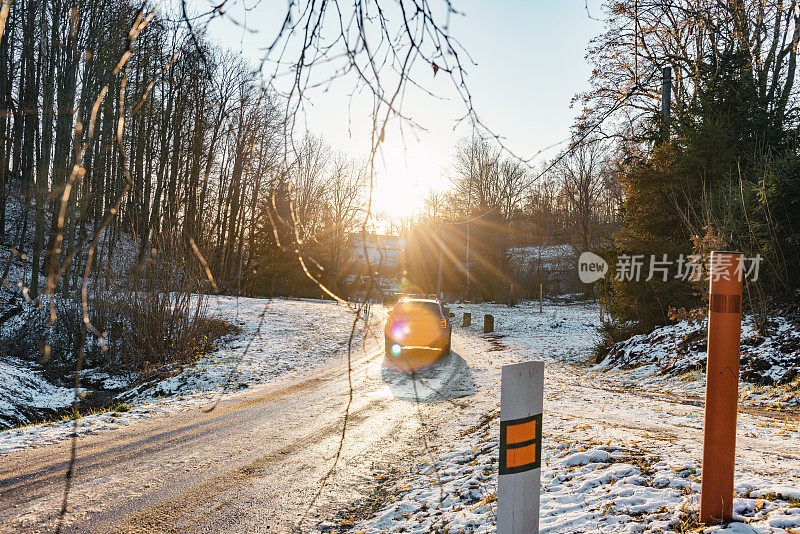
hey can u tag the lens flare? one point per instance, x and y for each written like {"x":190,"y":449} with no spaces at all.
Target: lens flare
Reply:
{"x":400,"y":330}
{"x":396,"y":349}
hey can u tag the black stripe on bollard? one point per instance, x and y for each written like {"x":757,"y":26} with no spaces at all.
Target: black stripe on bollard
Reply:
{"x":520,"y":444}
{"x":724,"y":303}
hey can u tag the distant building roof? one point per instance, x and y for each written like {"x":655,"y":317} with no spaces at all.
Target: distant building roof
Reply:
{"x":388,"y":241}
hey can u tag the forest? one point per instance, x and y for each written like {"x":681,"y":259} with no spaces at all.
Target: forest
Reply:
{"x":139,"y":164}
{"x":720,"y":172}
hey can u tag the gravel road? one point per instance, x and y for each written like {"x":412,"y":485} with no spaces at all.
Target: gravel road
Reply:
{"x":253,"y":464}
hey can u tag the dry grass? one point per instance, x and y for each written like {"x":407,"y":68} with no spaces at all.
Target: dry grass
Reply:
{"x":140,"y":333}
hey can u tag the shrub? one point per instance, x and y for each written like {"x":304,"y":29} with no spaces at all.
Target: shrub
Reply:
{"x":613,"y":332}
{"x":139,"y":332}
{"x":155,"y":329}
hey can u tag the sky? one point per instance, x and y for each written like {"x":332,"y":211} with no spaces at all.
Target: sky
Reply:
{"x":529,"y":63}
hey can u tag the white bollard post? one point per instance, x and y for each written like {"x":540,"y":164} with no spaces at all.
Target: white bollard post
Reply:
{"x":521,"y":396}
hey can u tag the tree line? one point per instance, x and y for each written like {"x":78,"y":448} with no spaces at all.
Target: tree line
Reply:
{"x":124,"y":134}
{"x":120,"y":124}
{"x":721,"y":172}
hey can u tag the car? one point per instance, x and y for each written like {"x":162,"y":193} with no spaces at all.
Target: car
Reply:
{"x":418,"y":323}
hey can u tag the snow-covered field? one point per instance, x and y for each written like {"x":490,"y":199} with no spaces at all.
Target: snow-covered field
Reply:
{"x":560,"y":333}
{"x":279,"y":338}
{"x":543,"y":255}
{"x":612,"y":462}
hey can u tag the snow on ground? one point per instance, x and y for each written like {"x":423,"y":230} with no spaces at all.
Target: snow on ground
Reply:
{"x":25,"y":391}
{"x":281,"y":338}
{"x":587,"y":486}
{"x":25,"y":387}
{"x":612,"y":462}
{"x":544,"y":254}
{"x":769,"y":367}
{"x":560,"y":333}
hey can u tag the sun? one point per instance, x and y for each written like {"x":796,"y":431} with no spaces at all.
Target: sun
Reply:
{"x":397,"y":197}
{"x":403,"y":177}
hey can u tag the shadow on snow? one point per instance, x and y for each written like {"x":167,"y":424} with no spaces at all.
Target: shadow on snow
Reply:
{"x":419,"y":375}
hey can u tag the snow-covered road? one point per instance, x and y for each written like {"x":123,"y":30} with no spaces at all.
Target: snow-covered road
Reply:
{"x":279,"y":339}
{"x":255,"y":463}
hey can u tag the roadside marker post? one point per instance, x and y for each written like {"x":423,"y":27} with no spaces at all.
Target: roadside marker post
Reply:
{"x":488,"y":323}
{"x":519,"y":473}
{"x":722,"y":386}
{"x":540,"y":298}
{"x":467,"y":319}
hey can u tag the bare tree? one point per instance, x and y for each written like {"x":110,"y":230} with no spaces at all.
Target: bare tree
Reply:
{"x":582,"y":179}
{"x":343,"y":211}
{"x":693,"y":38}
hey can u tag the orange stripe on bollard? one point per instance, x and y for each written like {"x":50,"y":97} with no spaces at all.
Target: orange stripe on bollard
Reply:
{"x":722,"y":386}
{"x":521,"y":456}
{"x":521,"y":432}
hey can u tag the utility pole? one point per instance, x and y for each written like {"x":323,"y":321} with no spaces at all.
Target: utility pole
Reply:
{"x":666,"y":98}
{"x":466,"y":264}
{"x":466,"y":261}
{"x":469,"y":203}
{"x":540,"y":297}
{"x":441,"y":264}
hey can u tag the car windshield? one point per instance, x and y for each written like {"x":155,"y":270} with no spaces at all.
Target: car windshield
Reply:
{"x":415,"y":307}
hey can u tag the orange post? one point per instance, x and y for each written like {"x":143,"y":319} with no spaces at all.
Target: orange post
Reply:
{"x":722,"y":386}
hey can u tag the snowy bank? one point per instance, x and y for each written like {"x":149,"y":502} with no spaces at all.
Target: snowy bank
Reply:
{"x":673,"y":358}
{"x":25,"y":391}
{"x":587,"y":486}
{"x":279,"y":338}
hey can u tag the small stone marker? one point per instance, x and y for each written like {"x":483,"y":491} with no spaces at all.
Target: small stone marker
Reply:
{"x":488,"y":323}
{"x":467,"y":319}
{"x":521,"y":396}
